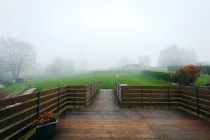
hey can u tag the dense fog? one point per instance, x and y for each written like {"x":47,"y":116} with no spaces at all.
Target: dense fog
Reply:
{"x":49,"y":38}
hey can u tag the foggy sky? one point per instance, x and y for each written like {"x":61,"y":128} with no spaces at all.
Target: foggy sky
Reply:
{"x":103,"y":31}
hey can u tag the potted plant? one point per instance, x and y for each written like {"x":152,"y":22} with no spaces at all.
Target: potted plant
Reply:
{"x":46,"y":126}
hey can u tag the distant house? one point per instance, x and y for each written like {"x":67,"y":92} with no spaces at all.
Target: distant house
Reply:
{"x":131,"y":67}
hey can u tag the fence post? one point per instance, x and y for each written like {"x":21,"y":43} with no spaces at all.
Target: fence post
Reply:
{"x":90,"y":90}
{"x":169,"y":101}
{"x":74,"y":96}
{"x":142,"y":98}
{"x":120,"y":93}
{"x":94,"y":88}
{"x":38,"y":107}
{"x":59,"y":90}
{"x":197,"y":101}
{"x":117,"y":93}
{"x":115,"y":88}
{"x":97,"y":87}
{"x":85,"y":96}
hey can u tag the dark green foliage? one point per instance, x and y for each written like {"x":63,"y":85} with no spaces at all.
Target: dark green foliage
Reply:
{"x":205,"y":69}
{"x":173,"y":67}
{"x":166,"y":76}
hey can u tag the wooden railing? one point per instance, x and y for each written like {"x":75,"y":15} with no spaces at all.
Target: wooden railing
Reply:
{"x":192,"y":99}
{"x":91,"y":90}
{"x":117,"y":90}
{"x":18,"y":91}
{"x":195,"y":100}
{"x":18,"y":114}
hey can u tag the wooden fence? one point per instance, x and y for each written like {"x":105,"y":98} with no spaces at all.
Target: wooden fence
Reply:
{"x":192,"y":99}
{"x":195,"y":100}
{"x":18,"y":114}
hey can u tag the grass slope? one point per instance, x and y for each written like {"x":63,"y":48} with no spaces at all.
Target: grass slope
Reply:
{"x":106,"y":80}
{"x":201,"y":80}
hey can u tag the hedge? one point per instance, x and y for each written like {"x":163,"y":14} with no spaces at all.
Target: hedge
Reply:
{"x":161,"y":75}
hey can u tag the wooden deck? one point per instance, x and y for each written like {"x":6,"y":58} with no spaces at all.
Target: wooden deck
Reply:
{"x":104,"y":120}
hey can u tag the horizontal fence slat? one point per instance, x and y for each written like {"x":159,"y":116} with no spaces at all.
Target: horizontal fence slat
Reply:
{"x":75,"y":95}
{"x":48,"y":91}
{"x":148,"y":87}
{"x":188,"y":89}
{"x":148,"y":95}
{"x":148,"y":91}
{"x":188,"y":93}
{"x":77,"y":91}
{"x":54,"y":101}
{"x":18,"y":99}
{"x":194,"y":110}
{"x":63,"y":105}
{"x":77,"y":104}
{"x":63,"y":88}
{"x":23,"y":131}
{"x":200,"y":96}
{"x":204,"y":92}
{"x":149,"y":104}
{"x":48,"y":103}
{"x":187,"y":97}
{"x":50,"y":96}
{"x":11,"y":110}
{"x":77,"y":87}
{"x":49,"y":108}
{"x":16,"y":127}
{"x":149,"y":100}
{"x":88,"y":98}
{"x":17,"y":117}
{"x":77,"y":99}
{"x":193,"y":104}
{"x":190,"y":108}
{"x":193,"y":99}
{"x":53,"y":106}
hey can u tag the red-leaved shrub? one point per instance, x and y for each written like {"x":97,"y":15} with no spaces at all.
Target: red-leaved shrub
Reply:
{"x":187,"y":74}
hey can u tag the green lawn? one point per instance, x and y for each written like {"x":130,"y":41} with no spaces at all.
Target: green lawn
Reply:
{"x":201,"y":80}
{"x":106,"y":80}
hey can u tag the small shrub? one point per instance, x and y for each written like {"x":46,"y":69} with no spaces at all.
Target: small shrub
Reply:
{"x":187,"y":74}
{"x":46,"y":118}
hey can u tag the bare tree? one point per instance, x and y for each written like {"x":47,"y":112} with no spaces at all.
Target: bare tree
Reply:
{"x":56,"y":67}
{"x":173,"y":55}
{"x":16,"y":55}
{"x":70,"y":65}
